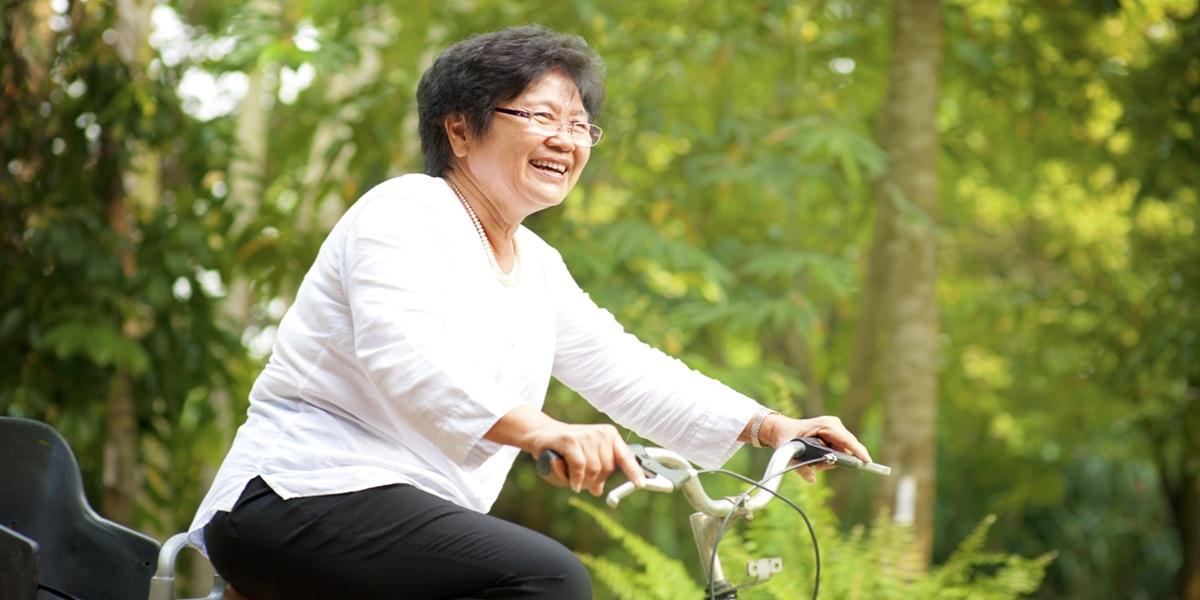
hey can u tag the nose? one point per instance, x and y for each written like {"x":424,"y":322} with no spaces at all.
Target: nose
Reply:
{"x":562,"y":138}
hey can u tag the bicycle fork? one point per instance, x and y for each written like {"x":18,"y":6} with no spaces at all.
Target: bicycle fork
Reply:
{"x":705,"y":530}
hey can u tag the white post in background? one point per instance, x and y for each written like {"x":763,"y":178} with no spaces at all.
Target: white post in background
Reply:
{"x":905,"y":512}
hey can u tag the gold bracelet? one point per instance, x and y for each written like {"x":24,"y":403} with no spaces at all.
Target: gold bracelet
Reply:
{"x":756,"y":424}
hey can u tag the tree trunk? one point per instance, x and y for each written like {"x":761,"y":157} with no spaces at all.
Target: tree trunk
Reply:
{"x":248,"y":165}
{"x":1181,"y":488}
{"x":120,"y":451}
{"x":1179,"y":476}
{"x":865,"y":352}
{"x":246,"y":172}
{"x":800,"y":355}
{"x":1189,"y":531}
{"x":908,"y":368}
{"x":140,"y":183}
{"x":120,"y":477}
{"x":319,"y":210}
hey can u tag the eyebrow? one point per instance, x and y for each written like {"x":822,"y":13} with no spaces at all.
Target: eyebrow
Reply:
{"x":553,"y":107}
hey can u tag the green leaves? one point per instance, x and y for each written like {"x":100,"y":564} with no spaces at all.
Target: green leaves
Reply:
{"x":817,"y":270}
{"x":102,"y":344}
{"x":658,"y":576}
{"x":862,"y":563}
{"x":724,"y":218}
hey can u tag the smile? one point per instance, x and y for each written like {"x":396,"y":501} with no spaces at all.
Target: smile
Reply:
{"x":549,"y":166}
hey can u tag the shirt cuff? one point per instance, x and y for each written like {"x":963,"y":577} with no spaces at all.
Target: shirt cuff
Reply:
{"x":715,"y":438}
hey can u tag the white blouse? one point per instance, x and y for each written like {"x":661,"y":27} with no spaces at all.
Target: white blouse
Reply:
{"x":403,"y":349}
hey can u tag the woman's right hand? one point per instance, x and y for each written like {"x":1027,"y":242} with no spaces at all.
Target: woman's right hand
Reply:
{"x":590,"y":452}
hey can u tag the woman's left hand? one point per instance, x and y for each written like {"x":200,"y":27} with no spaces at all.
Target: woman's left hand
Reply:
{"x":778,"y":430}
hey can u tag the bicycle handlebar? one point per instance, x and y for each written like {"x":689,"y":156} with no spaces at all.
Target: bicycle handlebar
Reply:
{"x":816,"y":448}
{"x":670,"y":472}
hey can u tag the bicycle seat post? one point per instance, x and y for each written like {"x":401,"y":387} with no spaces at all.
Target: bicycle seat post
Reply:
{"x":705,"y":529}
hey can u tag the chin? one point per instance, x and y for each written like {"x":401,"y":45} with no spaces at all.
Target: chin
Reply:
{"x":548,"y":200}
{"x":548,"y":203}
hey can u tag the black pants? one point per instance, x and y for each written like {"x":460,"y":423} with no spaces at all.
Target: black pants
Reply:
{"x":388,"y":542}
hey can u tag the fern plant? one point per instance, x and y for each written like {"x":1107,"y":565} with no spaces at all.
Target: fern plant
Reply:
{"x":864,"y":563}
{"x":656,"y":574}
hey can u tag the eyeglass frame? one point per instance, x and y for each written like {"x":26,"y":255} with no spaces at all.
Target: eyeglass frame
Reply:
{"x":594,"y":131}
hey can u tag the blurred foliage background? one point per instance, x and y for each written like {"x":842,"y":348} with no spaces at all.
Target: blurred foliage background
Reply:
{"x":168,"y":170}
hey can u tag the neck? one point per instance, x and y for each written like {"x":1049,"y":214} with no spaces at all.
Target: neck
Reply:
{"x":499,"y":228}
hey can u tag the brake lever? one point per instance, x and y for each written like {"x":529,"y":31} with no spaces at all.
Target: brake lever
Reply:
{"x":677,"y":477}
{"x":657,"y":483}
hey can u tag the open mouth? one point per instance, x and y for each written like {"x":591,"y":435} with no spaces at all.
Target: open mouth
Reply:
{"x":549,"y":166}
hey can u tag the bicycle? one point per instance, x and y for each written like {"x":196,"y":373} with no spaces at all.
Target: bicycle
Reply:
{"x":671,"y":472}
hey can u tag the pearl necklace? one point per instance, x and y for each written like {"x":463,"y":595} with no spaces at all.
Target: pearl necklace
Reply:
{"x":508,"y":279}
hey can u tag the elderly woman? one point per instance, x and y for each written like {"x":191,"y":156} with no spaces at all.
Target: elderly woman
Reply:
{"x":411,"y":370}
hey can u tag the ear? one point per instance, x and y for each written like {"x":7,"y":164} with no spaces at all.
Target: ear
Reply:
{"x":458,"y":132}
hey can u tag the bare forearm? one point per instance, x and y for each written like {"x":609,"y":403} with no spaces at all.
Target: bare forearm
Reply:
{"x":518,"y":428}
{"x":591,"y":452}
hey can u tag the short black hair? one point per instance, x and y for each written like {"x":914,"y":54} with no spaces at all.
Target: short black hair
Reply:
{"x":476,"y":75}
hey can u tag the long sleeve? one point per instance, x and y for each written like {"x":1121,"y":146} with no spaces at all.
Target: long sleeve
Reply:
{"x":640,"y":387}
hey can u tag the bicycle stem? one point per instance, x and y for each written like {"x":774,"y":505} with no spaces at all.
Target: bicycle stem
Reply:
{"x":705,"y":530}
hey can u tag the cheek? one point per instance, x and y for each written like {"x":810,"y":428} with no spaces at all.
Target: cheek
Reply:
{"x":582,"y":161}
{"x":502,"y":168}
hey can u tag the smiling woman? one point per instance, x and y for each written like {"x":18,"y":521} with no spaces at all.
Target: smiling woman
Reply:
{"x":411,"y":369}
{"x":520,"y":166}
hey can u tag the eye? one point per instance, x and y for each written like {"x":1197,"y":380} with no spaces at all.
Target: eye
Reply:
{"x":544,"y":118}
{"x":579,"y":128}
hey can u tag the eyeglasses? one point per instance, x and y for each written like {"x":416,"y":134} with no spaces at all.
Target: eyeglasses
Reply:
{"x":583,"y":134}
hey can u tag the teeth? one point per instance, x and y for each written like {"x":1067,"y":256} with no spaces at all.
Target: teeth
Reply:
{"x":553,"y":166}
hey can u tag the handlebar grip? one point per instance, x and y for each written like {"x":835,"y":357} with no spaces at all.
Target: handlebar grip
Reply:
{"x":815,"y":448}
{"x":546,"y":463}
{"x":877,"y":468}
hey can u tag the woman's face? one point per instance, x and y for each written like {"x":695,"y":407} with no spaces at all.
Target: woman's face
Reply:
{"x":521,"y":170}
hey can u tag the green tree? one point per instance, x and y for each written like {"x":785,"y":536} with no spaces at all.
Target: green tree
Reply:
{"x":903,"y":269}
{"x":1050,"y":129}
{"x":727,"y":217}
{"x":109,"y":277}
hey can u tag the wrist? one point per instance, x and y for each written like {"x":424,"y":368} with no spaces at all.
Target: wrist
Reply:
{"x":755,"y":432}
{"x":772,"y":429}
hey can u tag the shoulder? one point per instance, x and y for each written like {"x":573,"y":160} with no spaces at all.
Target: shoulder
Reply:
{"x":533,"y":242}
{"x":412,"y":193}
{"x":538,"y":255}
{"x":408,"y":203}
{"x":532,"y":245}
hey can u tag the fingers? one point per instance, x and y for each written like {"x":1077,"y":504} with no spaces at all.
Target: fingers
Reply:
{"x":559,"y":467}
{"x":592,"y":453}
{"x":834,"y":433}
{"x":831,"y":430}
{"x":807,"y":473}
{"x":629,"y":464}
{"x":828,"y":428}
{"x":576,"y":461}
{"x":585,"y":468}
{"x":605,"y":465}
